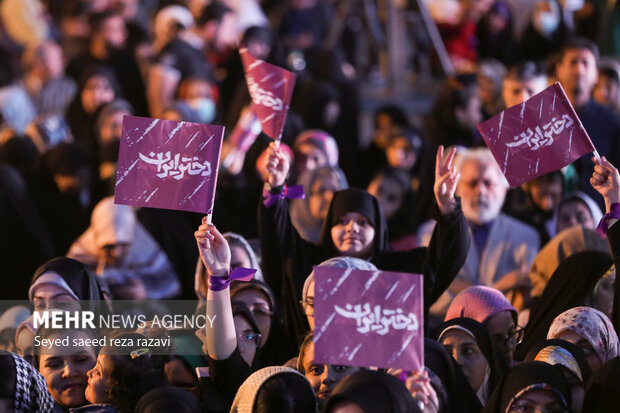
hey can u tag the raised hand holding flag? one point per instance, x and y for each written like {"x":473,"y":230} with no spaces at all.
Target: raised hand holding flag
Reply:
{"x":541,"y":135}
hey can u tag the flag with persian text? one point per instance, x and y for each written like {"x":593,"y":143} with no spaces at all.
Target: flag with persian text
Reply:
{"x":368,"y":318}
{"x":168,"y":164}
{"x":271,"y":89}
{"x":540,"y":135}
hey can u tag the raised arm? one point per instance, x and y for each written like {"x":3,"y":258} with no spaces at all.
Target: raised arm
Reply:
{"x":606,"y":180}
{"x":277,"y":234}
{"x":215,"y":254}
{"x":449,"y":243}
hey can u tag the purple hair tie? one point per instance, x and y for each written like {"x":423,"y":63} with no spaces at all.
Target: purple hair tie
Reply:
{"x":292,"y":192}
{"x":238,"y":274}
{"x":614,"y":212}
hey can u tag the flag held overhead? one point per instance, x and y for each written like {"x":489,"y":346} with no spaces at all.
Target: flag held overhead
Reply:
{"x":541,"y":135}
{"x":368,"y":318}
{"x":271,"y":89}
{"x":167,"y":164}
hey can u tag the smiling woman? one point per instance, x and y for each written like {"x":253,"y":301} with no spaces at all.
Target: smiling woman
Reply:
{"x":64,"y":367}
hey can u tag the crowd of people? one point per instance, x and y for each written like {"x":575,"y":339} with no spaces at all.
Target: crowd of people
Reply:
{"x":521,"y":307}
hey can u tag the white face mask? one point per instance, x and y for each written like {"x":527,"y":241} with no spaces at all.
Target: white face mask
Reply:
{"x":205,"y":108}
{"x":546,"y":23}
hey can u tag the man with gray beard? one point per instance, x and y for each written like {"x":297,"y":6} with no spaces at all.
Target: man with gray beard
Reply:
{"x":502,"y":248}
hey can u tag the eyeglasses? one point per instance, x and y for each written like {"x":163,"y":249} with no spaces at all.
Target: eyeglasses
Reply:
{"x":249,"y":340}
{"x":514,"y":336}
{"x":308,"y":306}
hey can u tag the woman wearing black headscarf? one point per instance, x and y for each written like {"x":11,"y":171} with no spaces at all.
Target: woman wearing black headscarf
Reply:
{"x":581,"y":368}
{"x":543,"y":384}
{"x":372,"y":391}
{"x":62,"y":192}
{"x":65,"y":279}
{"x":574,"y":365}
{"x":356,"y":226}
{"x":22,"y":388}
{"x":96,"y":86}
{"x":453,"y":390}
{"x":457,"y":335}
{"x":571,"y":285}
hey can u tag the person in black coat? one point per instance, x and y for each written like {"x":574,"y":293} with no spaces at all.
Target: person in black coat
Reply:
{"x":356,"y":226}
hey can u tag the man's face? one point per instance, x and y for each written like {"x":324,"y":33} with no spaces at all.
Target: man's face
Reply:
{"x":482,"y":191}
{"x":577,"y":71}
{"x":515,"y":92}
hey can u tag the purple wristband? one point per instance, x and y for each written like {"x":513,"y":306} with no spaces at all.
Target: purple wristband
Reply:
{"x":289,"y":192}
{"x":614,"y":212}
{"x":238,"y":274}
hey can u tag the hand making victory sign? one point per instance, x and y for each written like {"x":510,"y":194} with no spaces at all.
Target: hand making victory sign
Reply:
{"x":446,"y":179}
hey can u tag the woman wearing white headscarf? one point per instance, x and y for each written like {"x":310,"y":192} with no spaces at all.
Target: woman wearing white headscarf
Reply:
{"x":125,"y":254}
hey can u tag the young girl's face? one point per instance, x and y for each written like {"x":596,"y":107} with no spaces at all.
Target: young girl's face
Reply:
{"x":389,"y":194}
{"x":400,"y":154}
{"x":321,"y":196}
{"x":322,"y":377}
{"x":97,"y":91}
{"x":353,"y":235}
{"x":98,"y":379}
{"x":65,"y":374}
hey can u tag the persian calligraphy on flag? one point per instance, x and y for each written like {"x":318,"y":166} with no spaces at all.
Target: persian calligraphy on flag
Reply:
{"x":271,"y":89}
{"x":368,"y":318}
{"x":167,"y":164}
{"x":541,"y":135}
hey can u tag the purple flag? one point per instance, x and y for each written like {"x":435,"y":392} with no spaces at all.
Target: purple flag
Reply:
{"x":167,"y":164}
{"x":368,"y":318}
{"x":541,"y":135}
{"x":271,"y":88}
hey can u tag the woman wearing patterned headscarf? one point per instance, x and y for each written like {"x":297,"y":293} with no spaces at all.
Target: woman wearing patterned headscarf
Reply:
{"x":573,"y":364}
{"x":22,"y":388}
{"x":590,"y":330}
{"x":531,"y":385}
